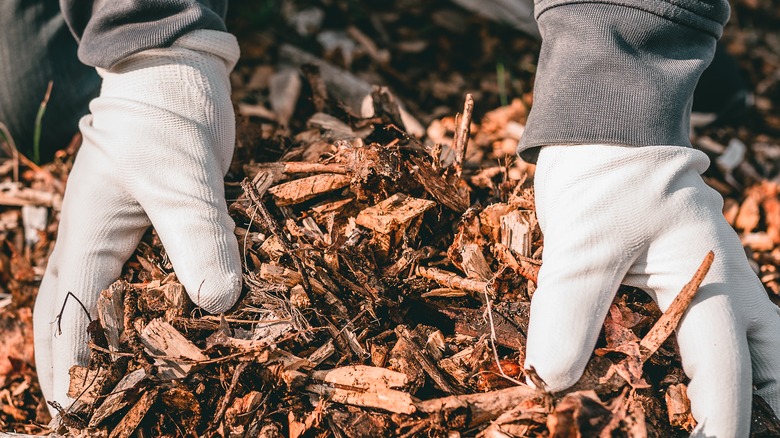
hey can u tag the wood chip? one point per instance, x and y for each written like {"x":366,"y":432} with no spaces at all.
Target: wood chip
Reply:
{"x":679,"y":407}
{"x":84,"y":383}
{"x":162,"y":339}
{"x":472,"y":322}
{"x":474,"y":263}
{"x":390,"y":218}
{"x":110,"y":307}
{"x":119,"y":397}
{"x":362,"y":376}
{"x":462,"y":134}
{"x":517,"y":231}
{"x":393,"y":213}
{"x":133,"y":418}
{"x":481,"y":407}
{"x":418,"y":352}
{"x":443,"y":191}
{"x":301,"y":190}
{"x":284,"y":89}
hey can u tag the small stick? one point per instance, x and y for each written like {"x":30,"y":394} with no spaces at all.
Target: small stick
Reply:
{"x":62,"y":311}
{"x":130,"y":334}
{"x":228,"y":397}
{"x":306,"y":167}
{"x":493,"y":337}
{"x":239,"y":321}
{"x":461,"y":140}
{"x":97,"y":347}
{"x":451,"y":280}
{"x":9,"y":141}
{"x":671,"y":318}
{"x":18,"y":155}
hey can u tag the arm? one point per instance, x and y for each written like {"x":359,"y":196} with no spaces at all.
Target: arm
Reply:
{"x":620,"y":199}
{"x":155,"y":150}
{"x":621,"y":71}
{"x":111,"y":30}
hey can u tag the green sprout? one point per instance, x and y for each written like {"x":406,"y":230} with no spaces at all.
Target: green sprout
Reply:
{"x":39,"y":125}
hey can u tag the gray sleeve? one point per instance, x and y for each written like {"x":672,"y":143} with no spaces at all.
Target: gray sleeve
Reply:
{"x":110,"y":30}
{"x":619,"y":71}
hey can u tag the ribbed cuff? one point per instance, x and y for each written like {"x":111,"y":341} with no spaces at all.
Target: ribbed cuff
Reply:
{"x":110,"y":31}
{"x":619,"y":72}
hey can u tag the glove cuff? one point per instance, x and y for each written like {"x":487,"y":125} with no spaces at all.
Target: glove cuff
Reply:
{"x":221,"y":44}
{"x":614,"y":73}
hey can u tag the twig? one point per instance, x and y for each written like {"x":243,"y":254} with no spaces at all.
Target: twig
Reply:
{"x":244,"y":321}
{"x":228,"y":397}
{"x":87,"y":387}
{"x":246,"y":237}
{"x":493,"y":337}
{"x":20,"y":157}
{"x":352,"y":321}
{"x":67,"y":418}
{"x":451,"y":280}
{"x":59,"y":315}
{"x":9,"y":140}
{"x":186,"y":361}
{"x":480,"y":407}
{"x":97,"y":347}
{"x":461,"y":141}
{"x":306,"y":167}
{"x":671,"y":318}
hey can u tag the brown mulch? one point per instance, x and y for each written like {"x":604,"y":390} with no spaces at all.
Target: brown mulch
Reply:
{"x":387,"y":276}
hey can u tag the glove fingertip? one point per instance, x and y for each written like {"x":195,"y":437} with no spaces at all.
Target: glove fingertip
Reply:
{"x":217,"y":294}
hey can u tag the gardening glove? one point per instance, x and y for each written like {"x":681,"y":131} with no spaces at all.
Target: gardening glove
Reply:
{"x":643,"y":216}
{"x":156,"y":148}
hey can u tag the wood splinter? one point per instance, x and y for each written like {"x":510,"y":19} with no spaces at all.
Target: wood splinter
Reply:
{"x":671,"y":318}
{"x":451,"y":280}
{"x":461,"y":141}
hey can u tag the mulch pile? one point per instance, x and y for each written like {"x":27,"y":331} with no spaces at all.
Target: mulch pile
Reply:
{"x":390,"y":250}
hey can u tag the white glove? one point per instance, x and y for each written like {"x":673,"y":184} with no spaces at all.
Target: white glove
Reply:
{"x":156,"y":148}
{"x":643,"y":216}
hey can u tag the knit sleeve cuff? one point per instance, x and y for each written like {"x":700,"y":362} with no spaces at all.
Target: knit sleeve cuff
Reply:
{"x":110,"y":31}
{"x":620,"y":72}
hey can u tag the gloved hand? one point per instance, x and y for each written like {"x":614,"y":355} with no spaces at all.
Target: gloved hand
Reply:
{"x":643,"y":216}
{"x":156,"y":148}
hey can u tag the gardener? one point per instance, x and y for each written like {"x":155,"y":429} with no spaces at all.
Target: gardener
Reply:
{"x":618,"y":187}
